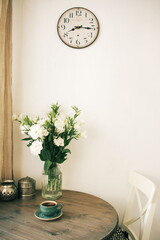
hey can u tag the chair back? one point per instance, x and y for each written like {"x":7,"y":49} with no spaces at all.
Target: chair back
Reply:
{"x":140,"y":208}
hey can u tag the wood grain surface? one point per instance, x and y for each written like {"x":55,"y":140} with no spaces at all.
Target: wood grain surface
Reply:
{"x":85,"y":217}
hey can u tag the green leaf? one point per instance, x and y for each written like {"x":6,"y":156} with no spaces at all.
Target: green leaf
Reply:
{"x":26,"y":139}
{"x":29,"y":144}
{"x":50,"y":138}
{"x":61,"y":160}
{"x":27,"y":121}
{"x":47,"y":165}
{"x":55,"y":108}
{"x":66,"y":151}
{"x":45,"y":155}
{"x":77,"y":111}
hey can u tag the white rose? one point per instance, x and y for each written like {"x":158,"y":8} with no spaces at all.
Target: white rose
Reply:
{"x":78,"y":125}
{"x":20,"y":117}
{"x":59,"y":141}
{"x":14,"y":117}
{"x":24,"y":129}
{"x":36,"y":147}
{"x":37,"y":131}
{"x":62,"y":116}
{"x":42,"y":121}
{"x":44,"y":132}
{"x":83,"y":134}
{"x":59,"y":124}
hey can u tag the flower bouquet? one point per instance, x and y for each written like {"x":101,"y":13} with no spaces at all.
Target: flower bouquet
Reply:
{"x":49,"y":138}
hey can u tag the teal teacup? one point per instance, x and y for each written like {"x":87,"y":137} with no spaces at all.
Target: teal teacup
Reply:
{"x":49,"y":208}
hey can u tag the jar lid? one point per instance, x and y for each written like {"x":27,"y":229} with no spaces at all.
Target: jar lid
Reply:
{"x":26,"y":182}
{"x":7,"y":182}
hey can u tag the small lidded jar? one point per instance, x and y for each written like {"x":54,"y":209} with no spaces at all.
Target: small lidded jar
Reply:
{"x":8,"y":190}
{"x":26,"y":188}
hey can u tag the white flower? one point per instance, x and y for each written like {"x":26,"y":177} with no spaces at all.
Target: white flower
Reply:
{"x":44,"y":132}
{"x":59,"y":141}
{"x":62,"y":116}
{"x":60,"y":123}
{"x":78,"y":125}
{"x":36,"y":147}
{"x":20,"y":117}
{"x":14,"y":117}
{"x":24,"y":129}
{"x":34,"y":119}
{"x":42,"y":121}
{"x":36,"y":131}
{"x":83,"y":134}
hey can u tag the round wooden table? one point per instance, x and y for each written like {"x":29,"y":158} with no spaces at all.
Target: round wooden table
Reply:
{"x":85,"y":217}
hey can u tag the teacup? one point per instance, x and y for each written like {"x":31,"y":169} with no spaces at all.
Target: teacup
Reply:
{"x":49,"y":208}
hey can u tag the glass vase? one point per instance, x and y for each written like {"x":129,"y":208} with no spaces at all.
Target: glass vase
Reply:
{"x":52,"y":183}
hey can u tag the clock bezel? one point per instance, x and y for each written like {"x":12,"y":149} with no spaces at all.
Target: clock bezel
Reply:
{"x":77,"y":47}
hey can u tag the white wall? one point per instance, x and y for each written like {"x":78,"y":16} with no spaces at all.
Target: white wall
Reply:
{"x":115,"y":82}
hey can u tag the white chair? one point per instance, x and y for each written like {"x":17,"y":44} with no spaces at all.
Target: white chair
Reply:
{"x":140,"y":208}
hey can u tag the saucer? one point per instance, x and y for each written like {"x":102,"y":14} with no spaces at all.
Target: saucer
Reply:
{"x":38,"y":214}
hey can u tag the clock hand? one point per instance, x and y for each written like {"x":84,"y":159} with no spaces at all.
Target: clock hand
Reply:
{"x":74,"y":28}
{"x":78,"y":27}
{"x":87,"y":27}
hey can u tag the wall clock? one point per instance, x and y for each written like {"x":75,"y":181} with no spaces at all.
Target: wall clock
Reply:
{"x":78,"y":27}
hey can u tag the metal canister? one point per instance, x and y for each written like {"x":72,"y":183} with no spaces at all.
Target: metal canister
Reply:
{"x":26,"y":187}
{"x":8,"y":190}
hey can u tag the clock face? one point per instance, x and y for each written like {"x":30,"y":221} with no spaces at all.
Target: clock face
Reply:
{"x":78,"y":27}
